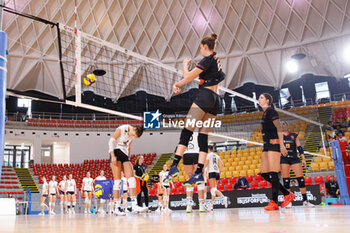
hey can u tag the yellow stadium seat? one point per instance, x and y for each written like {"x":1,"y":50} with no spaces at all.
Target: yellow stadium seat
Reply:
{"x":235,"y":174}
{"x":248,"y":162}
{"x":315,"y":167}
{"x":255,"y":162}
{"x":236,"y":160}
{"x":317,"y":160}
{"x":243,"y":173}
{"x":244,"y":158}
{"x":181,"y":178}
{"x":326,"y":159}
{"x":323,"y":166}
{"x":245,"y":167}
{"x":227,"y":164}
{"x":238,"y":168}
{"x":250,"y":172}
{"x":234,"y":164}
{"x":241,"y":163}
{"x":252,"y":167}
{"x":228,"y":174}
{"x":331,"y":165}
{"x":257,"y":171}
{"x":176,"y":179}
{"x":230,"y":160}
{"x":231,"y":169}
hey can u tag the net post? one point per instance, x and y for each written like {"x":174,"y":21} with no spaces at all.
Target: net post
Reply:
{"x":60,"y":57}
{"x":3,"y":85}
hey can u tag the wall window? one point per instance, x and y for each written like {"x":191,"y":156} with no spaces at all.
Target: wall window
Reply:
{"x":25,"y":103}
{"x":322,"y":90}
{"x":284,"y":95}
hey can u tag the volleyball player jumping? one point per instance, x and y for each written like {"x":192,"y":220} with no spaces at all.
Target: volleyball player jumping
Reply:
{"x":205,"y":106}
{"x":292,"y":144}
{"x":272,"y":149}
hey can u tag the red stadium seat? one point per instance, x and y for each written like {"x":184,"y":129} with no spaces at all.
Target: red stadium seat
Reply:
{"x":263,"y":184}
{"x":318,"y":179}
{"x":221,"y":187}
{"x":173,"y":191}
{"x":181,"y":190}
{"x":249,"y":178}
{"x":257,"y":178}
{"x":152,"y":191}
{"x":308,"y":180}
{"x":255,"y":184}
{"x":233,"y":180}
{"x":224,"y":181}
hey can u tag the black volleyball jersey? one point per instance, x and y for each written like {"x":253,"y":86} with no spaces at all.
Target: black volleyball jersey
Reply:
{"x":290,"y":144}
{"x":212,"y":71}
{"x":268,"y":129}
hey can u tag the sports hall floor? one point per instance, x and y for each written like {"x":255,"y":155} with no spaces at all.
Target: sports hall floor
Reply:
{"x":330,"y":219}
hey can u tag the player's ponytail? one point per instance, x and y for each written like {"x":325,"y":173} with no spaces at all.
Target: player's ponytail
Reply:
{"x":210,"y":41}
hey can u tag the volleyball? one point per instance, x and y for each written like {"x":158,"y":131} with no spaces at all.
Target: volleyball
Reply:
{"x":144,"y":177}
{"x":90,"y":80}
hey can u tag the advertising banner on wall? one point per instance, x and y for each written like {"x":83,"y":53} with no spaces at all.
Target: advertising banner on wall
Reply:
{"x":242,"y":198}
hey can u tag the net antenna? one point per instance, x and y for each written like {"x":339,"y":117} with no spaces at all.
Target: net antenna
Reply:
{"x":77,"y":60}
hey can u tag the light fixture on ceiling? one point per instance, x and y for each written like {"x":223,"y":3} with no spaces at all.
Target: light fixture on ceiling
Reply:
{"x":292,"y":66}
{"x":299,"y":55}
{"x":346,"y":54}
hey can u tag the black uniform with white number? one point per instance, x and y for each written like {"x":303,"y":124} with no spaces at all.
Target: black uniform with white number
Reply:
{"x":212,"y":74}
{"x":291,"y":146}
{"x":269,"y":130}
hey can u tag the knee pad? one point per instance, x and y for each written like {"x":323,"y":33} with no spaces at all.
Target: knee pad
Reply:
{"x":189,"y":189}
{"x":102,"y":200}
{"x":86,"y":200}
{"x":185,"y":137}
{"x":203,"y":142}
{"x":213,"y":191}
{"x":42,"y":204}
{"x":286,"y":183}
{"x":117,"y":184}
{"x":301,"y":182}
{"x":201,"y":187}
{"x":132,"y":182}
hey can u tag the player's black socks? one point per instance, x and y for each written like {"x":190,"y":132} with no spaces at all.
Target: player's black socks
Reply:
{"x":274,"y":177}
{"x":199,"y":168}
{"x":266,"y":176}
{"x":176,"y":160}
{"x":304,"y":197}
{"x":275,"y":185}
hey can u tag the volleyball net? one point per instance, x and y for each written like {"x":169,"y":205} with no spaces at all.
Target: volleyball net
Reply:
{"x":128,"y":83}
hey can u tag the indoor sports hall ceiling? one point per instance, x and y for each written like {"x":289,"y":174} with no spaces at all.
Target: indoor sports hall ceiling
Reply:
{"x":256,"y":37}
